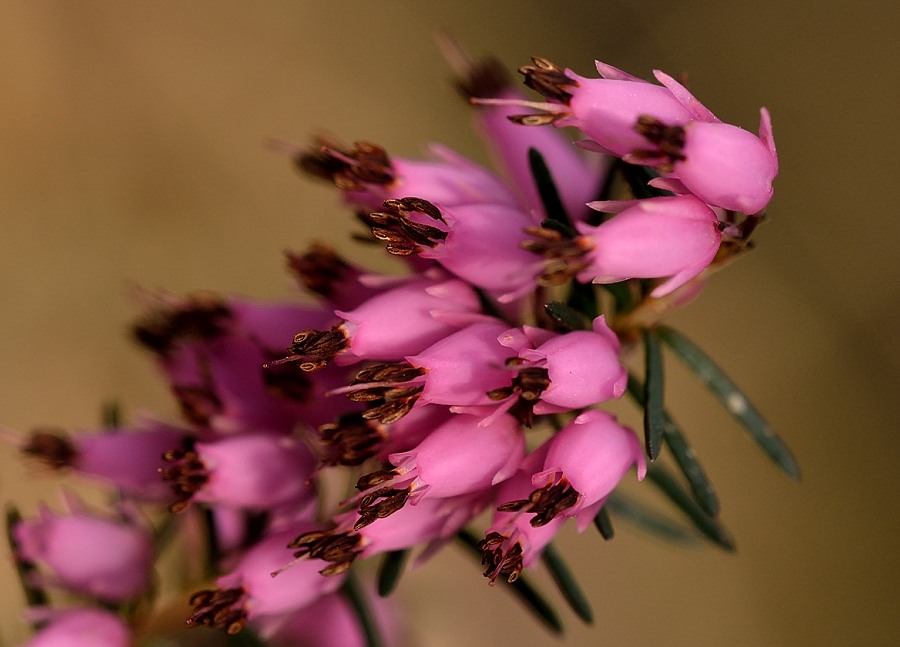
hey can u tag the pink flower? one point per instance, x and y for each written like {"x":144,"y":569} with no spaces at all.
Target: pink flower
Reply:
{"x":369,"y":176}
{"x":462,"y":456}
{"x":251,"y":590}
{"x":675,"y":237}
{"x":726,"y":166}
{"x":79,"y":628}
{"x":585,"y":461}
{"x":252,"y":471}
{"x":104,"y":558}
{"x":128,"y":458}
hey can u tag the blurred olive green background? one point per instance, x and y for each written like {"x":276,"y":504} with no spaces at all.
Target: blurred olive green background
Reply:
{"x":131,"y":154}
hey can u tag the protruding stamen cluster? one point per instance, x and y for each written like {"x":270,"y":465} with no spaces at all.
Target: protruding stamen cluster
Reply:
{"x":353,"y":169}
{"x":548,"y":79}
{"x":50,"y":446}
{"x":339,"y":548}
{"x":198,"y":404}
{"x":380,"y":504}
{"x":314,"y":348}
{"x":402,"y":236}
{"x":223,"y":608}
{"x":528,"y":383}
{"x":202,"y":316}
{"x":288,"y":382}
{"x":351,"y":440}
{"x":320,"y":269}
{"x":565,"y":256}
{"x":500,"y":562}
{"x":396,"y":400}
{"x":187,"y":476}
{"x":545,"y":502}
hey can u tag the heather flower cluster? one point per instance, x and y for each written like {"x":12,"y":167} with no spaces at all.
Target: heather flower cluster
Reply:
{"x":472,"y":382}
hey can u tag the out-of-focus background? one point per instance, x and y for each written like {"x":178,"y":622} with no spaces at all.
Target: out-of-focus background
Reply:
{"x":131,"y":153}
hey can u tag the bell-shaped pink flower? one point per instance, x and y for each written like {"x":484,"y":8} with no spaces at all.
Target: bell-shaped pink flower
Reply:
{"x":675,"y":237}
{"x":585,"y":461}
{"x":83,"y":627}
{"x":251,"y":471}
{"x":560,"y":372}
{"x":728,"y":167}
{"x":128,"y":458}
{"x":511,"y":543}
{"x":368,"y":176}
{"x":107,"y":559}
{"x":462,"y":456}
{"x":260,"y":585}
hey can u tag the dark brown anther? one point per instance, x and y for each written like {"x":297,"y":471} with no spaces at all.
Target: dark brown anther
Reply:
{"x":350,"y":169}
{"x":546,"y":502}
{"x":372,"y":479}
{"x":565,"y":256}
{"x":202,"y":317}
{"x":485,"y":79}
{"x":508,"y":564}
{"x":320,"y":269}
{"x":351,"y":440}
{"x":339,"y":548}
{"x":198,"y":404}
{"x":537,"y":119}
{"x":288,"y":382}
{"x":668,"y":140}
{"x":549,"y":80}
{"x":380,"y":504}
{"x":528,"y":383}
{"x":401,"y":235}
{"x":223,"y":608}
{"x":313,"y":349}
{"x":52,"y":447}
{"x":187,"y":475}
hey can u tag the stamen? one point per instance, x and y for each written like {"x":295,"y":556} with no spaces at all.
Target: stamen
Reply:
{"x":668,"y":140}
{"x":548,"y":79}
{"x":314,"y":348}
{"x":225,"y":608}
{"x":353,"y":169}
{"x":187,"y":476}
{"x":339,"y":548}
{"x":499,"y":562}
{"x":351,"y":440}
{"x":546,"y":502}
{"x":320,"y":269}
{"x":404,"y":237}
{"x":564,"y":257}
{"x":52,"y":447}
{"x":202,"y":317}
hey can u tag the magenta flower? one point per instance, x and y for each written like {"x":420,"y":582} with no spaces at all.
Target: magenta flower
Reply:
{"x":107,"y":559}
{"x":462,"y":456}
{"x":585,"y":461}
{"x":675,"y":237}
{"x":724,"y":165}
{"x":556,"y":373}
{"x":128,"y":458}
{"x":252,"y":471}
{"x":389,"y":326}
{"x":251,"y":590}
{"x":368,"y":176}
{"x":512,"y":543}
{"x":79,"y":628}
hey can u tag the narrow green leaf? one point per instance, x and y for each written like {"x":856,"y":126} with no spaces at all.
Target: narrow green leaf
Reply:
{"x":684,"y":454}
{"x":526,"y":593}
{"x":553,"y":205}
{"x":604,"y":524}
{"x":246,"y":637}
{"x":390,"y":571}
{"x":566,"y":317}
{"x":621,"y":294}
{"x":648,"y":520}
{"x":360,"y":606}
{"x":567,"y":584}
{"x":653,"y":395}
{"x":706,"y":524}
{"x":734,"y":401}
{"x":34,"y":595}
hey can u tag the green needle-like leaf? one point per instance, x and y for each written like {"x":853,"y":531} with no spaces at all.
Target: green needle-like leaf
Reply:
{"x":553,"y":205}
{"x":361,"y":608}
{"x":706,"y":524}
{"x":569,"y":588}
{"x":734,"y":401}
{"x":604,"y":524}
{"x":654,"y":421}
{"x":583,"y":298}
{"x":521,"y":588}
{"x":637,"y":178}
{"x":112,"y":414}
{"x":34,"y":595}
{"x":568,"y":318}
{"x":390,"y":571}
{"x":244,"y":638}
{"x":684,"y":454}
{"x":648,"y":520}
